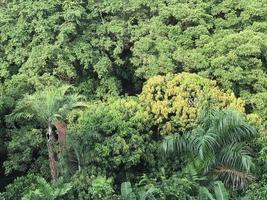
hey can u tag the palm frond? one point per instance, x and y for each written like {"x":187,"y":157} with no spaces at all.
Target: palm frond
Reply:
{"x":233,"y":178}
{"x":48,"y":105}
{"x":177,"y":143}
{"x":236,"y":155}
{"x":231,"y":127}
{"x":205,"y":143}
{"x":219,"y":140}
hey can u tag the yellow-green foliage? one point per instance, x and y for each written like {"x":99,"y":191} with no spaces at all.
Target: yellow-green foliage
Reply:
{"x":175,"y":101}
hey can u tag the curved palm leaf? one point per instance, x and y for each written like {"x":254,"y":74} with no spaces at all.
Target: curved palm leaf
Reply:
{"x":236,"y":155}
{"x":219,"y":140}
{"x":205,"y":143}
{"x":177,"y":143}
{"x":49,"y":105}
{"x":234,"y":178}
{"x":231,"y":127}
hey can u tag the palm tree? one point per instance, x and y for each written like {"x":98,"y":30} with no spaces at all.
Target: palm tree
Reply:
{"x":50,"y":107}
{"x":218,"y":146}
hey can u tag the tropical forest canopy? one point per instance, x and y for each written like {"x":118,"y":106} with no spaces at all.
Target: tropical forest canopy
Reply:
{"x":133,"y":99}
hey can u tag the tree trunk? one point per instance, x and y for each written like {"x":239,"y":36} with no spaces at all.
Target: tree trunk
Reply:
{"x":61,"y":127}
{"x":61,"y":132}
{"x":51,"y":154}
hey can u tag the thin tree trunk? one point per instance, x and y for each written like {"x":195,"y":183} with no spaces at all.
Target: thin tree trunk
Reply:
{"x":61,"y":127}
{"x":61,"y":132}
{"x":51,"y":155}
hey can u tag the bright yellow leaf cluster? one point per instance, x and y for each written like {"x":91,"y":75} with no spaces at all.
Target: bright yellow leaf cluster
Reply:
{"x":175,"y":101}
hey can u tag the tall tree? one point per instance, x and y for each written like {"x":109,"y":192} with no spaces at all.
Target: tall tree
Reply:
{"x":50,"y":107}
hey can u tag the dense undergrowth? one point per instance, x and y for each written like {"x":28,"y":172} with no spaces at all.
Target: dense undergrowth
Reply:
{"x":133,"y":100}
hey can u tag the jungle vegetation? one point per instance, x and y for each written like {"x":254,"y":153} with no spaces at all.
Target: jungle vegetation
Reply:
{"x":133,"y":99}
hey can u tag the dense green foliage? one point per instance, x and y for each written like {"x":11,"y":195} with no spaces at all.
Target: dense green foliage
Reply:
{"x":133,"y":99}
